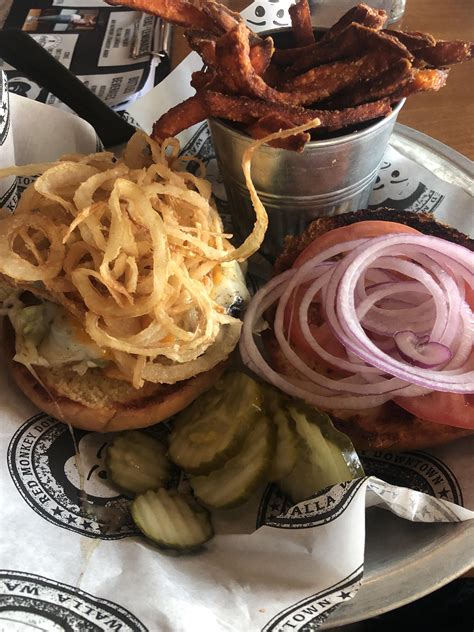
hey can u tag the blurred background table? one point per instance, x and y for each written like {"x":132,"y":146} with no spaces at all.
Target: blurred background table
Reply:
{"x":447,"y":115}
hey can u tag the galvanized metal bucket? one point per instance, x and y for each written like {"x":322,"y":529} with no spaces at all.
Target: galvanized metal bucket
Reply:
{"x":329,"y":177}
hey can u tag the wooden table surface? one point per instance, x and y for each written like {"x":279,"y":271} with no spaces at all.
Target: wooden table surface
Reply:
{"x":447,"y":115}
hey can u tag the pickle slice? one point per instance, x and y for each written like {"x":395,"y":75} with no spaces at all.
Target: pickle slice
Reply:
{"x":326,"y":456}
{"x":232,"y":484}
{"x":136,"y":462}
{"x":286,"y":452}
{"x":213,"y":428}
{"x":172,"y":519}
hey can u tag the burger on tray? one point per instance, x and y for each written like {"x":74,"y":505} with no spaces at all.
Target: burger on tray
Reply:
{"x":370,"y":319}
{"x":121,"y":289}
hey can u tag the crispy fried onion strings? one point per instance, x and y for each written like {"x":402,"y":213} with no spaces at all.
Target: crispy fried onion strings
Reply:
{"x":133,"y":249}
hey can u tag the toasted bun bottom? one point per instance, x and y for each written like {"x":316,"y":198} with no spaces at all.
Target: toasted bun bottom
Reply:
{"x":388,"y":427}
{"x":96,"y":402}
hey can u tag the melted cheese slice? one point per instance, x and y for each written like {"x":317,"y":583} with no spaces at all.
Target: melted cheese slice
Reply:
{"x":230,"y":289}
{"x":47,"y":335}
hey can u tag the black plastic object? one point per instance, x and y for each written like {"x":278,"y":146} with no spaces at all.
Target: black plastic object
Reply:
{"x":26,"y":55}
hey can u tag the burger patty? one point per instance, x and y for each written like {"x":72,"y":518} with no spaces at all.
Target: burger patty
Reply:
{"x":423,"y":222}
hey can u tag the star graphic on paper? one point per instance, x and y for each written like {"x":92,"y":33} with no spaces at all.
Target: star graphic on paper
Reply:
{"x":344,"y":595}
{"x":444,"y":493}
{"x":71,"y":519}
{"x":275,"y":507}
{"x":57,"y":512}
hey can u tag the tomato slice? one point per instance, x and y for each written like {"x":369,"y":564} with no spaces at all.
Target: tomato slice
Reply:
{"x":319,"y":330}
{"x":452,"y":409}
{"x":358,"y":230}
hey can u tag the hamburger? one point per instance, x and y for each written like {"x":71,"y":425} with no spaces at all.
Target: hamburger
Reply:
{"x":95,"y":401}
{"x":376,"y":408}
{"x":120,"y":288}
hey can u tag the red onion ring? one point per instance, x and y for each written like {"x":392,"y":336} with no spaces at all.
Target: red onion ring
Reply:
{"x":423,"y":275}
{"x":350,"y":332}
{"x":420,"y":351}
{"x":383,"y":321}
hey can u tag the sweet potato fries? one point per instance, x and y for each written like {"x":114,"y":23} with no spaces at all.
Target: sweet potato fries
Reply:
{"x":351,"y":73}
